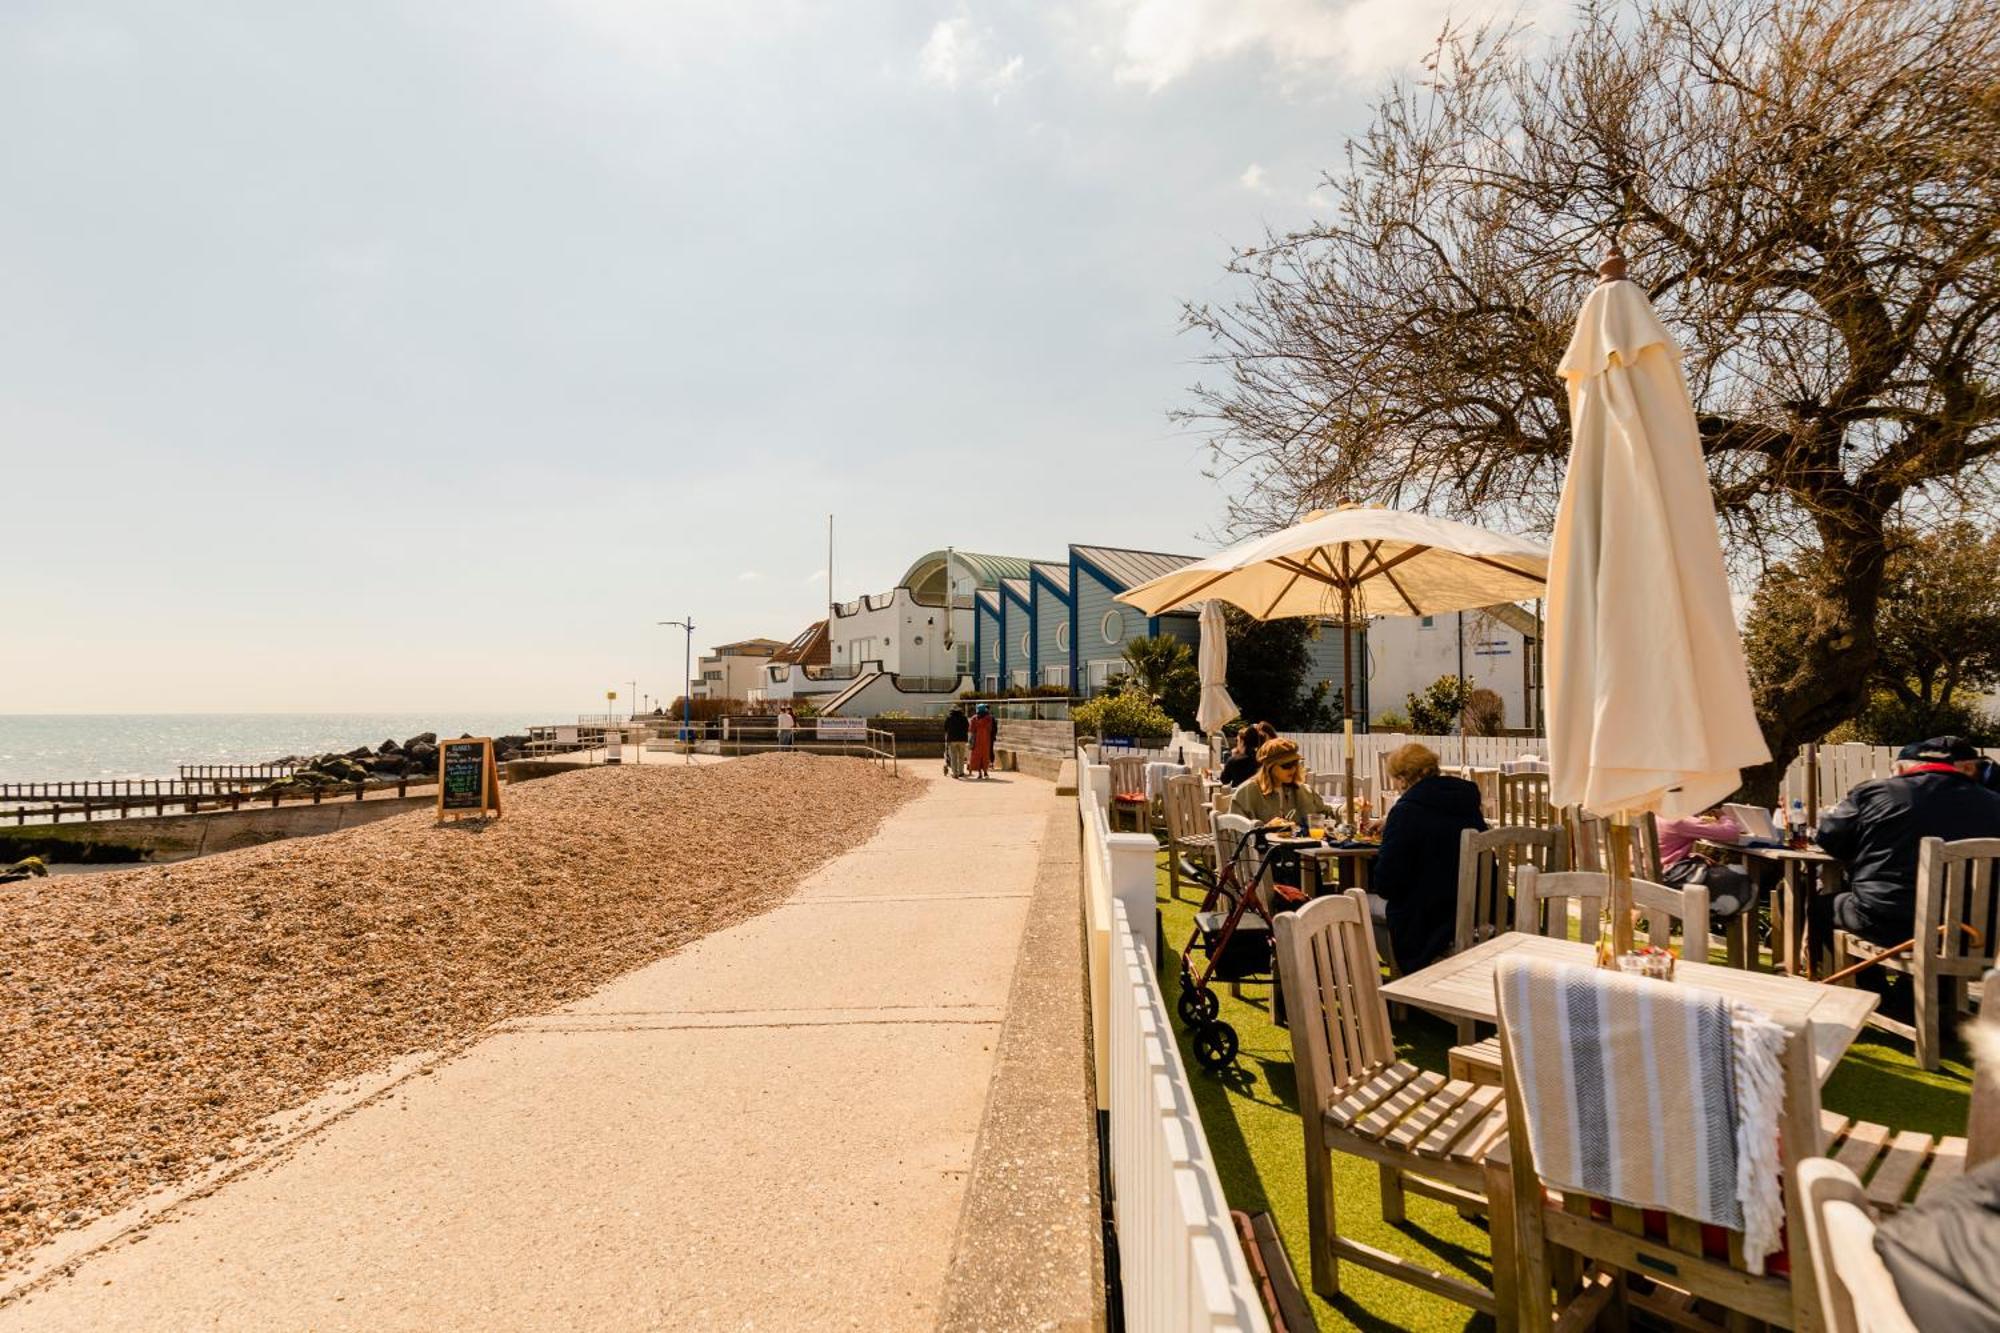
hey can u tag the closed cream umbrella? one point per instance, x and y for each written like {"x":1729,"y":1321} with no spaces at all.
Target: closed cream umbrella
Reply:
{"x":1216,"y":706}
{"x":1359,"y":560}
{"x":1648,"y":696}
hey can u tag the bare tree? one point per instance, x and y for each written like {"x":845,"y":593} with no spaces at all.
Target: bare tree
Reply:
{"x":1808,"y":189}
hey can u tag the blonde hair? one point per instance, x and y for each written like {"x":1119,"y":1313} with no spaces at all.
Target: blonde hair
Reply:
{"x":1412,"y":763}
{"x":1269,"y":756}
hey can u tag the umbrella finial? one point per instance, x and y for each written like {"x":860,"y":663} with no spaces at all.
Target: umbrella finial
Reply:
{"x":1612,"y":267}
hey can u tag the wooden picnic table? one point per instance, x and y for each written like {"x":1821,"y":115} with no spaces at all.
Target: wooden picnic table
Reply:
{"x":1802,"y":872}
{"x":1461,"y":986}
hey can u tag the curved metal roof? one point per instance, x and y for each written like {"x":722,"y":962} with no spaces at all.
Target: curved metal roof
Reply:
{"x":986,"y":570}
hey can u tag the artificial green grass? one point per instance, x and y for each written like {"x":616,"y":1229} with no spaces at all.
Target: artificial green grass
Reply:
{"x":1251,"y":1118}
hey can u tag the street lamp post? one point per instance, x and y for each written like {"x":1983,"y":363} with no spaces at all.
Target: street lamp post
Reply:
{"x":687,"y":684}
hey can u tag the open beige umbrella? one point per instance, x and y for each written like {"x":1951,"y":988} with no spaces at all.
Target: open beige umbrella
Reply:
{"x":1358,"y":560}
{"x":1648,"y":698}
{"x":1216,"y":707}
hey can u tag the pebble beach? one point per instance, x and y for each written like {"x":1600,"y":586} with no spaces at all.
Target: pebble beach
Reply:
{"x":152,"y":1019}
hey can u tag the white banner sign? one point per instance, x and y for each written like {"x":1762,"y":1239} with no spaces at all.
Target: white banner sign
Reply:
{"x":842,"y":728}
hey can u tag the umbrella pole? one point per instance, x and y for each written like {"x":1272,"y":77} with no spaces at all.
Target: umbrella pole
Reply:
{"x":1347,"y":701}
{"x":1621,"y":885}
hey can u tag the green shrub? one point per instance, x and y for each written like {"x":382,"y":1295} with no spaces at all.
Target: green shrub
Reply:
{"x":1392,"y":721}
{"x":1435,"y":711}
{"x":1127,"y":713}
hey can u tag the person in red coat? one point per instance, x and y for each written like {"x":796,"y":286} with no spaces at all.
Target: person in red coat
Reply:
{"x":983,"y":728}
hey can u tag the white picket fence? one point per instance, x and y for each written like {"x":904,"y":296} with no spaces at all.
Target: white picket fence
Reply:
{"x":1841,"y":767}
{"x":1181,"y":1265}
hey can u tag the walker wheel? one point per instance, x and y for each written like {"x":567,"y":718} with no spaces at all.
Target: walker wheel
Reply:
{"x":1215,"y":1046}
{"x":1198,"y":1007}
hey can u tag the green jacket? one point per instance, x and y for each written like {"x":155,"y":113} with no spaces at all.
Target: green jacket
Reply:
{"x":1297,"y":803}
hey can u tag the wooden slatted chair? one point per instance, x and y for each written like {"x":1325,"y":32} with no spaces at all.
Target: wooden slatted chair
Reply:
{"x":1955,"y":888}
{"x":1855,"y":1289}
{"x":1188,"y":831}
{"x":1522,"y":799}
{"x":1542,"y":906}
{"x":1128,"y":793}
{"x":1902,"y":1167}
{"x":1427,"y":1134}
{"x":1543,"y":902}
{"x":1487,"y":863}
{"x":1581,"y":1246}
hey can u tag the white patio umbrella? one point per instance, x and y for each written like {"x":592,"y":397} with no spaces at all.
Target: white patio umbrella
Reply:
{"x":1358,"y":559}
{"x":1216,"y":706}
{"x":1648,"y":697}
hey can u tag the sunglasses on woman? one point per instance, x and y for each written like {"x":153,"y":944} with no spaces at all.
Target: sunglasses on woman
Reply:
{"x":1284,"y":764}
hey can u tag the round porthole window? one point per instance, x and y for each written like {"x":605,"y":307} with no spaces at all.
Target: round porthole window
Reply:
{"x":1113,"y":626}
{"x":1062,"y":638}
{"x":1025,"y":649}
{"x":996,"y":652}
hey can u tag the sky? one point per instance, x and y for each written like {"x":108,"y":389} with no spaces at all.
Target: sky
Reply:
{"x":384,"y":356}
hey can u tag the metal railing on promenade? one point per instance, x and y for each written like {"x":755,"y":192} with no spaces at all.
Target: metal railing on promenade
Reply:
{"x":1181,"y":1263}
{"x":762,"y":736}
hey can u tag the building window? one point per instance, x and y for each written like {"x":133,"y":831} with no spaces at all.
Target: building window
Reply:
{"x":1100,"y":674}
{"x":1025,"y":641}
{"x":1056,"y":675}
{"x":1062,"y":642}
{"x":1428,"y":622}
{"x":1112,"y":627}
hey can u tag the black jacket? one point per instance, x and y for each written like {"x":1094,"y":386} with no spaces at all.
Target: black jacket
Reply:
{"x":957,"y":727}
{"x":1417,"y":869}
{"x":1876,"y":831}
{"x":1238,"y":769}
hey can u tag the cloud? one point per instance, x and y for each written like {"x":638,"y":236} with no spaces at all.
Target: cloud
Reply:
{"x":1159,"y":41}
{"x":1253,"y":178}
{"x":748,"y":576}
{"x":959,"y":53}
{"x":817,"y":576}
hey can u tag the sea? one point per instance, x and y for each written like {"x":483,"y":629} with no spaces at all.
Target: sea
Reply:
{"x":55,"y":747}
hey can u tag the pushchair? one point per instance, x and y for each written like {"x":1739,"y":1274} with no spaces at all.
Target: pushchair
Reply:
{"x":1231,"y":939}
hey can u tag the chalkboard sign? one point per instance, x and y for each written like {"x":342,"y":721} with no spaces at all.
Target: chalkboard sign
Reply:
{"x":468,"y":780}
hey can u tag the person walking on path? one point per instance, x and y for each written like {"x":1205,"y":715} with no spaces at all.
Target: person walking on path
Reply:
{"x":787,"y":724}
{"x":982,"y":728}
{"x":957,"y":731}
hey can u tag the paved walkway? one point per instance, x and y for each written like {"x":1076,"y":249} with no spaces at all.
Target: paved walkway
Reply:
{"x":771,"y":1130}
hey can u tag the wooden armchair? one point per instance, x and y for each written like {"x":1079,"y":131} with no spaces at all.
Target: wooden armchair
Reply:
{"x":1542,"y":901}
{"x":1855,"y":1289}
{"x":1426,"y":1134}
{"x":1487,"y":865}
{"x":1582,"y":1247}
{"x":1542,"y":905}
{"x":1522,"y":799}
{"x":1955,"y":890}
{"x":1188,"y":831}
{"x":1128,"y":793}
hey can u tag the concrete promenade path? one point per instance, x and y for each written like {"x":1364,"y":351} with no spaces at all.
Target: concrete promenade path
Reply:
{"x":771,"y":1129}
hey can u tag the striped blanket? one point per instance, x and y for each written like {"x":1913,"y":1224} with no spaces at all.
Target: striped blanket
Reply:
{"x":1649,"y":1093}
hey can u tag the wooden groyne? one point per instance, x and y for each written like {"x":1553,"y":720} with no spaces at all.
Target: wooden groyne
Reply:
{"x":158,"y":803}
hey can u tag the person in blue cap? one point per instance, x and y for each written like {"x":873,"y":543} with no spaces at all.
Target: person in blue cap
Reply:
{"x":983,"y":729}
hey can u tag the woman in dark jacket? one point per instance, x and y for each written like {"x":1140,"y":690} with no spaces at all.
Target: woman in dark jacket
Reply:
{"x":1241,"y":766}
{"x":1417,"y":868}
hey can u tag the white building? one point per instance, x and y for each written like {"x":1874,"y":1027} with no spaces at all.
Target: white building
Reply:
{"x":733,"y":670}
{"x":908,"y":631}
{"x":1501,"y":652}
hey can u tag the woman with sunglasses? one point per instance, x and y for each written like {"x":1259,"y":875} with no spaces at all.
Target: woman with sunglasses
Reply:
{"x":1279,"y":790}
